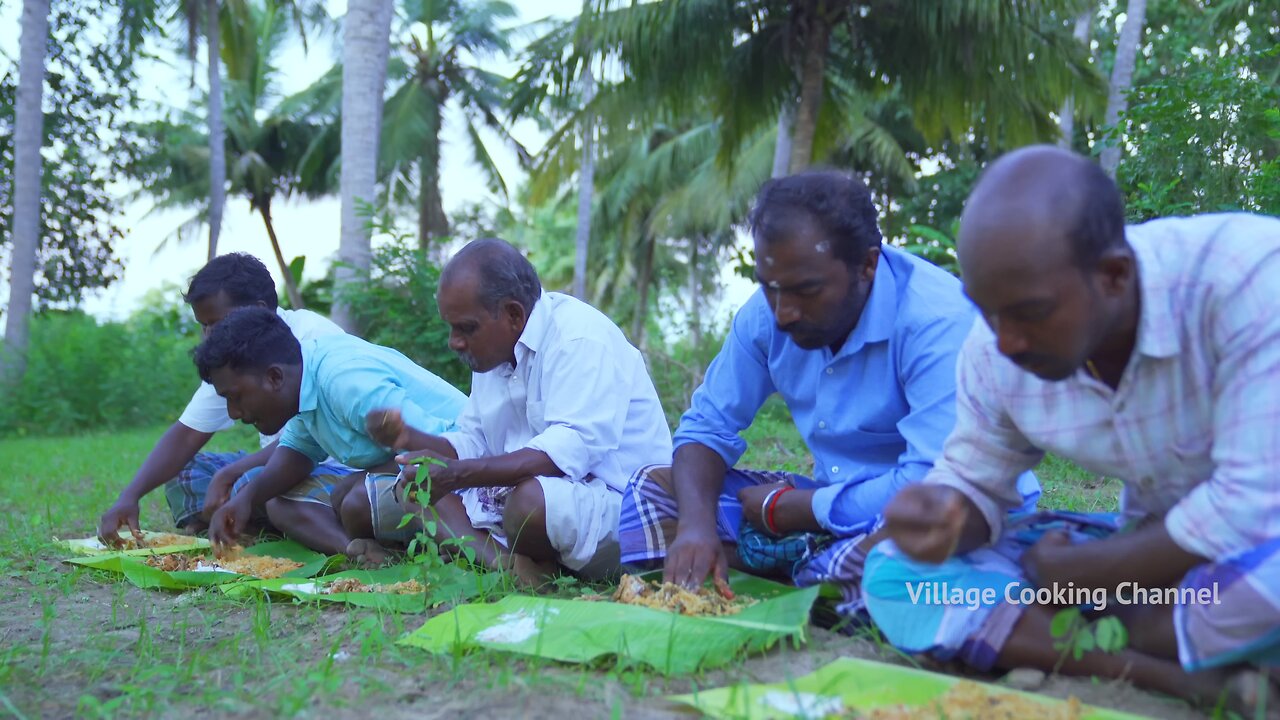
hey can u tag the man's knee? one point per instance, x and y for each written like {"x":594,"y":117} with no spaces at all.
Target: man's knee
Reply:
{"x":357,"y":516}
{"x":525,"y":514}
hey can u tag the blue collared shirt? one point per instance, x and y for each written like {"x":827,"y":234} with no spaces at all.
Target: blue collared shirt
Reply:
{"x":874,"y":415}
{"x":343,"y":378}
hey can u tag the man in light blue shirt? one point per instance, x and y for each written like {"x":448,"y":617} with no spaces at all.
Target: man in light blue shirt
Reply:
{"x":860,"y":340}
{"x":319,"y":393}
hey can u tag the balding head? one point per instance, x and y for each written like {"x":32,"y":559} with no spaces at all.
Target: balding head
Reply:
{"x":499,"y":270}
{"x":487,"y":293}
{"x":1042,"y":203}
{"x":1043,"y":255}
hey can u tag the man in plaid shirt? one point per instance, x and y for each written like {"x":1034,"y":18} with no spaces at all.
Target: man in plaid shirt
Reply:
{"x":1149,"y":353}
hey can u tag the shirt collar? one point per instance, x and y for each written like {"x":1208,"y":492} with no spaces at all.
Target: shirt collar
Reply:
{"x":307,"y":397}
{"x":1157,"y":331}
{"x":881,"y":311}
{"x":535,"y":328}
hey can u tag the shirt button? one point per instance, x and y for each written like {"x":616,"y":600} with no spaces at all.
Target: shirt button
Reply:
{"x":829,"y":371}
{"x":835,"y":469}
{"x":822,"y":424}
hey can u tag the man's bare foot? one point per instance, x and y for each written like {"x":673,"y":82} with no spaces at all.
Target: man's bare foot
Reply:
{"x":367,"y":553}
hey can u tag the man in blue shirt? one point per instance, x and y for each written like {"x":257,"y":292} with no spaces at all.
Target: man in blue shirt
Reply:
{"x":860,"y":340}
{"x":319,"y":393}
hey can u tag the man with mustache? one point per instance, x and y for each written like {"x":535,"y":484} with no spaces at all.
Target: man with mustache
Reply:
{"x":316,"y":394}
{"x":1149,"y":353}
{"x":860,"y":341}
{"x":562,"y":412}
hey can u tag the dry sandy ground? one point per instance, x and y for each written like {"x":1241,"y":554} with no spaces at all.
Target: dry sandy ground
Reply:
{"x":402,"y":683}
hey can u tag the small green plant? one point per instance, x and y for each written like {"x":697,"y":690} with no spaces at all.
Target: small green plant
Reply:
{"x":1075,"y":635}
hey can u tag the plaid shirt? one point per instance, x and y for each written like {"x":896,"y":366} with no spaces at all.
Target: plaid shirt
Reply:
{"x":1193,"y":428}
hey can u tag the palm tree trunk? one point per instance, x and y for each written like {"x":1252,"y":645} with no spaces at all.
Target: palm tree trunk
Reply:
{"x":290,"y":286}
{"x":366,"y":44}
{"x":28,"y":136}
{"x":586,"y":186}
{"x":782,"y":148}
{"x":1122,"y":78}
{"x":695,"y":292}
{"x":644,"y":278}
{"x":433,"y":224}
{"x":817,"y":39}
{"x":1067,"y":116}
{"x":217,"y":134}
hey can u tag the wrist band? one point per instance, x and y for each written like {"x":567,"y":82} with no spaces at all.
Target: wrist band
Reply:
{"x":775,"y":496}
{"x":764,"y":506}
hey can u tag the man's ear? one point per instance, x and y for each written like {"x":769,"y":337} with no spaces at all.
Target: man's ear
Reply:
{"x":274,"y":377}
{"x":1116,"y":271}
{"x":515,"y":314}
{"x":869,"y":264}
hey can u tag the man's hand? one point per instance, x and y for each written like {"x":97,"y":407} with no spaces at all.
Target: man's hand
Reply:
{"x":386,"y":426}
{"x":695,"y":554}
{"x":752,"y":498}
{"x":443,"y":476}
{"x":228,"y":522}
{"x":927,"y":521}
{"x":219,"y":492}
{"x":123,"y":513}
{"x":1050,"y":560}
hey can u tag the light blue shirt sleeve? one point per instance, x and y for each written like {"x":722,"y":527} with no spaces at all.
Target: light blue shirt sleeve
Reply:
{"x":734,"y":388}
{"x":927,"y":372}
{"x":296,"y":437}
{"x":362,"y":387}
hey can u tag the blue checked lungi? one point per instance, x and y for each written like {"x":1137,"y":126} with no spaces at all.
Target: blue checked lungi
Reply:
{"x":647,"y":525}
{"x":185,"y":493}
{"x":1243,"y":625}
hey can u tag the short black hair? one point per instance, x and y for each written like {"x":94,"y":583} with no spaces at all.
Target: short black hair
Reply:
{"x":1099,"y":222}
{"x":243,"y":277}
{"x":837,"y":203}
{"x":504,"y":273}
{"x":247,"y":339}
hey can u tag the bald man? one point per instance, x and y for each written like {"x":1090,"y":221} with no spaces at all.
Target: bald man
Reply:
{"x":562,"y":412}
{"x":1149,"y":353}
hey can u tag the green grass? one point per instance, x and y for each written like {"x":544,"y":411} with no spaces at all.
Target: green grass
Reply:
{"x":80,"y":643}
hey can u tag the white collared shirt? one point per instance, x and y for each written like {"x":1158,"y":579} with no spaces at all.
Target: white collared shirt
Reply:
{"x":1193,"y":428}
{"x":579,"y":392}
{"x":207,"y":412}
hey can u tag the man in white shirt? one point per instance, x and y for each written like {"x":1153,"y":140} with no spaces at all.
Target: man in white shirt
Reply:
{"x":197,"y":483}
{"x":562,"y":412}
{"x":1148,"y":353}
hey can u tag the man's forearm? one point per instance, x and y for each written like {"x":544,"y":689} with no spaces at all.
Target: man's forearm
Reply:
{"x":418,"y":440}
{"x":697,"y":474}
{"x":508,"y":469}
{"x":175,"y":448}
{"x":975,"y":532}
{"x":1147,"y":557}
{"x":285,"y":470}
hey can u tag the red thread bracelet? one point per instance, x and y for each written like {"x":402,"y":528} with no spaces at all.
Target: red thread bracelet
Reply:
{"x":768,"y":516}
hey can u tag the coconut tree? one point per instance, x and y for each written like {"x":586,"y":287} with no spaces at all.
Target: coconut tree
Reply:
{"x":1122,"y":77}
{"x":28,"y":137}
{"x":275,"y":149}
{"x":365,"y":48}
{"x":435,"y":68}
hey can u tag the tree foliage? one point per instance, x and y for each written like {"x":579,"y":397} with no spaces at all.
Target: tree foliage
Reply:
{"x":89,"y":87}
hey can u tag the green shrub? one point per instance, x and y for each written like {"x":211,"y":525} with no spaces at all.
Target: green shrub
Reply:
{"x":396,"y":307}
{"x":82,"y":375}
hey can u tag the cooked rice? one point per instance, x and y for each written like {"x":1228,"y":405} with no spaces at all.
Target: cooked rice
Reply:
{"x":156,"y":541}
{"x":670,"y":597}
{"x":261,"y":567}
{"x":352,"y":585}
{"x":970,"y":701}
